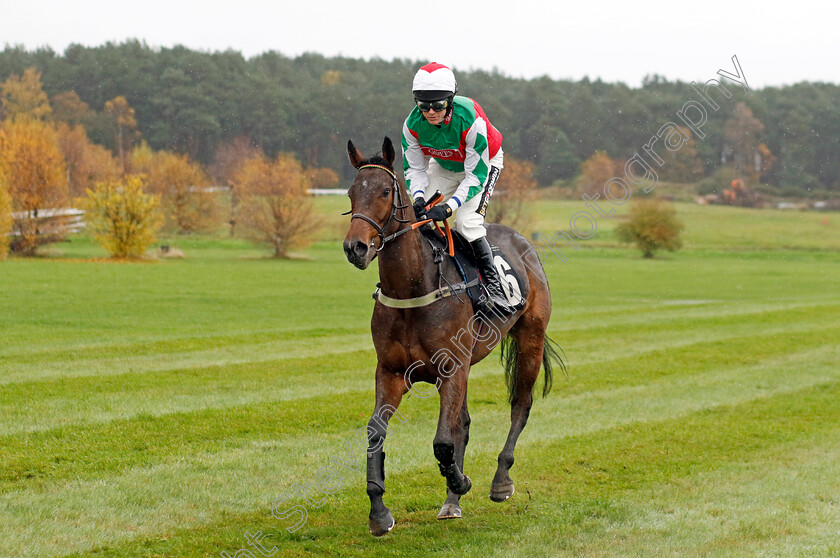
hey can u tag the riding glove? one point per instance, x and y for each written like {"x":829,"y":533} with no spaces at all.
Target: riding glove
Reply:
{"x":439,"y":212}
{"x":419,"y":207}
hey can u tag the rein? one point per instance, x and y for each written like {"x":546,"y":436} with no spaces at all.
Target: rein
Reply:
{"x":397,"y":205}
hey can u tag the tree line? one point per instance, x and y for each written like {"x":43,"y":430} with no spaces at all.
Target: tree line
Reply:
{"x":48,"y":161}
{"x":198,"y":103}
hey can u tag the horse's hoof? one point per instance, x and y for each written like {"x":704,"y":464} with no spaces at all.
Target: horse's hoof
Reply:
{"x":381,"y":525}
{"x":449,"y":511}
{"x":501,"y":493}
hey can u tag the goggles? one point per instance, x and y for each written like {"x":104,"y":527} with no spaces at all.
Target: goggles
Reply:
{"x":437,"y":106}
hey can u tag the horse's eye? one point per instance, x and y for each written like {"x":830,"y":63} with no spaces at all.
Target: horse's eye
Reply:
{"x":386,"y":192}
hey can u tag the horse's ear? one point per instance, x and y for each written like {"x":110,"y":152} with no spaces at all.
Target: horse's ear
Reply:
{"x":356,"y":157}
{"x":388,"y":150}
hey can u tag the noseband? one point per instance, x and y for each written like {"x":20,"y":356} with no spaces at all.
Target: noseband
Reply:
{"x":396,"y":204}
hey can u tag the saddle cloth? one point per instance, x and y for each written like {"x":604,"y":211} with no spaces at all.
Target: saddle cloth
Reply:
{"x":513,"y":284}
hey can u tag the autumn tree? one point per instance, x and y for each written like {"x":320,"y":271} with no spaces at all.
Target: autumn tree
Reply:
{"x":227,"y":162}
{"x":682,"y":164}
{"x":24,"y":97}
{"x":229,"y":157}
{"x":5,"y":214}
{"x":595,"y":172}
{"x":763,"y":160}
{"x":70,"y":108}
{"x":516,"y":185}
{"x":124,"y":125}
{"x":87,"y":163}
{"x":36,"y":179}
{"x":322,"y":178}
{"x":274,"y":206}
{"x":188,"y":203}
{"x":123,"y":217}
{"x":749,"y":156}
{"x":652,"y":225}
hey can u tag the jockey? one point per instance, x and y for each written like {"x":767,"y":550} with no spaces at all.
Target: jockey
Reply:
{"x":449,"y":145}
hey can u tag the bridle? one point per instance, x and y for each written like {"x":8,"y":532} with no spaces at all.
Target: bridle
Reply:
{"x":396,"y":205}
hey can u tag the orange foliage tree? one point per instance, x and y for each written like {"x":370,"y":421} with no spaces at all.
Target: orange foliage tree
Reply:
{"x":24,"y":97}
{"x":763,"y":160}
{"x":274,"y":206}
{"x":124,"y":125}
{"x":87,"y":163}
{"x":36,"y":179}
{"x":70,"y":108}
{"x":5,"y":214}
{"x":227,"y":161}
{"x":229,"y":157}
{"x":750,"y":157}
{"x":595,"y":172}
{"x":516,"y":185}
{"x":322,"y":178}
{"x":188,"y":202}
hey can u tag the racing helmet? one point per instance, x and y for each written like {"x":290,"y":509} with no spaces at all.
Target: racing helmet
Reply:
{"x":434,"y":82}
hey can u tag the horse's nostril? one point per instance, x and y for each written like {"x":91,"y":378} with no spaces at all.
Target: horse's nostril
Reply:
{"x":360,"y":248}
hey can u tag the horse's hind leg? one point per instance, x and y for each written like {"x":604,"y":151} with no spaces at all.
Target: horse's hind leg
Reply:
{"x":452,"y":398}
{"x":451,"y":508}
{"x":527,"y":344}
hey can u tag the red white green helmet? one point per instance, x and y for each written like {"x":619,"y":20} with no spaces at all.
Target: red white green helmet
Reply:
{"x":434,"y":82}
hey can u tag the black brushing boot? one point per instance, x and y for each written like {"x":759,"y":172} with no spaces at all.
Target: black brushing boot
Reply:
{"x":492,"y":282}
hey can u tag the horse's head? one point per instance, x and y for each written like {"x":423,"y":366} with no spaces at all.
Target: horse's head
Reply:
{"x":374,"y":200}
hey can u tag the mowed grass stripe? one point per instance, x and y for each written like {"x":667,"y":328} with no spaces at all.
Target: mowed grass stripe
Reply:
{"x":107,"y":360}
{"x":43,"y":405}
{"x":691,"y":447}
{"x":102,"y":398}
{"x":99,"y":450}
{"x":679,"y":311}
{"x":167,"y":430}
{"x":669,"y":396}
{"x":783,"y":503}
{"x":169,"y":344}
{"x":591,"y":345}
{"x":694,"y":358}
{"x":101,"y":366}
{"x":575,"y":484}
{"x":63,"y":305}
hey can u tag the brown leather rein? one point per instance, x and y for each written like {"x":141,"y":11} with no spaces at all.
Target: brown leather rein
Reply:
{"x":397,"y":205}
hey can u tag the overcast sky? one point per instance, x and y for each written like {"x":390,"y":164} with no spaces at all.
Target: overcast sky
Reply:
{"x":614,"y":40}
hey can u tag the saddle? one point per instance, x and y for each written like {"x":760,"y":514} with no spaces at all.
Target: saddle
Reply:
{"x":464,"y":259}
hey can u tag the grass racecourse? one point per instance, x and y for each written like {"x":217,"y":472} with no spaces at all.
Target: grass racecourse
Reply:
{"x":160,"y":408}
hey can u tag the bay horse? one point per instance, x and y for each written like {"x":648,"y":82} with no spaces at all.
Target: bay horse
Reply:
{"x":421,"y":334}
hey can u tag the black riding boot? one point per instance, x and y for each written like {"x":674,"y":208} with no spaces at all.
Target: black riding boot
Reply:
{"x":492,"y":282}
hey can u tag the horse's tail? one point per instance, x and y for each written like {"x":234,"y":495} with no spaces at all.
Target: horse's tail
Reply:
{"x":509,"y":356}
{"x":552,"y":355}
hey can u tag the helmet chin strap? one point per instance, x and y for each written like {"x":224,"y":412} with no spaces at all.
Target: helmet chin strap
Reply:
{"x":451,"y":104}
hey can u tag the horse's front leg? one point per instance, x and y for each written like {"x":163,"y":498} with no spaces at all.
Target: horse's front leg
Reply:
{"x":390,"y":388}
{"x":453,"y":393}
